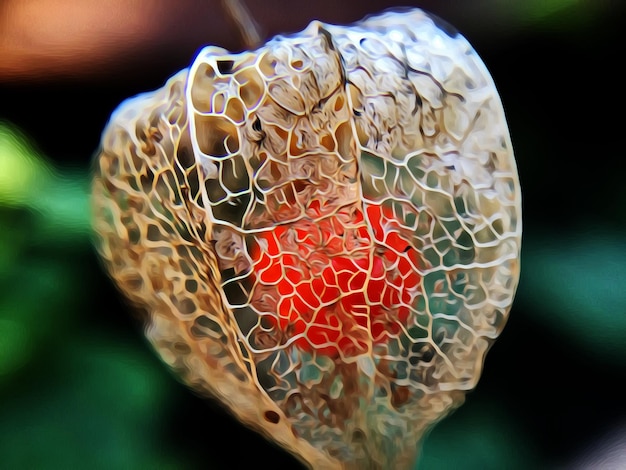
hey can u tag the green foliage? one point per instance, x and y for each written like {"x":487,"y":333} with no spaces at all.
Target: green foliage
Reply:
{"x":73,"y":402}
{"x":477,"y":437}
{"x":575,"y":286}
{"x":44,"y":218}
{"x":93,"y":404}
{"x":28,"y":181}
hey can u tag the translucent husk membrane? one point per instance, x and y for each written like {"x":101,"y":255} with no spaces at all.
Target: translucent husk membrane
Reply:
{"x":324,"y":232}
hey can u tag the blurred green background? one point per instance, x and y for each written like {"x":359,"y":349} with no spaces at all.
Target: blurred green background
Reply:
{"x":80,"y":387}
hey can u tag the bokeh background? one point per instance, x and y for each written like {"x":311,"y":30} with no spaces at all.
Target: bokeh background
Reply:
{"x":79,"y":385}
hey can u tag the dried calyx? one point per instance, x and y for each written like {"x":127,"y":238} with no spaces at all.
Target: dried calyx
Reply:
{"x":324,"y":232}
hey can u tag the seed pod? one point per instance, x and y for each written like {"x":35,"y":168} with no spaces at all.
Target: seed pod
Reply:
{"x":324,"y":233}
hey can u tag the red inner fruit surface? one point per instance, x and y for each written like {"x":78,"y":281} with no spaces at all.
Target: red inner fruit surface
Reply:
{"x":338,"y":290}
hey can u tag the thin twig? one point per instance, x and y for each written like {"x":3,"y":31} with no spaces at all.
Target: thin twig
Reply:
{"x":248,"y":28}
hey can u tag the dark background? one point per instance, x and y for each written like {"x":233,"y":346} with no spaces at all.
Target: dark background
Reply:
{"x":79,"y":386}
